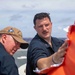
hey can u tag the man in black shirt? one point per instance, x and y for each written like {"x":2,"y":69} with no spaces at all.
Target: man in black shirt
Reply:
{"x":44,"y":50}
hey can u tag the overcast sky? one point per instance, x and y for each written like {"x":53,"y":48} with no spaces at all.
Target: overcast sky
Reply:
{"x":20,"y":5}
{"x":20,"y":13}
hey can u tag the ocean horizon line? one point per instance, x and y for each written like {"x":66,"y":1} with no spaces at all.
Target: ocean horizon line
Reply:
{"x":28,"y":39}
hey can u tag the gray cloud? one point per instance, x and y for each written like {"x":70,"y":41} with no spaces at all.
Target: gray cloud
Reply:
{"x":16,"y":17}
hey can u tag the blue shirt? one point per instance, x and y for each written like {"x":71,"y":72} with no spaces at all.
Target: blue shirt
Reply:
{"x":39,"y":48}
{"x":7,"y":63}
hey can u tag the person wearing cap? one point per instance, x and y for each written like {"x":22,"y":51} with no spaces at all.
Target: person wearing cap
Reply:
{"x":10,"y":41}
{"x":44,"y":50}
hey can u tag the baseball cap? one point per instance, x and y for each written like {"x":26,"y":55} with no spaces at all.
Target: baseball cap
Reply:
{"x":16,"y":34}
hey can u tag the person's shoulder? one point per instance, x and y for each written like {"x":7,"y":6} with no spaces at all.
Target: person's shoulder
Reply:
{"x":36,"y":42}
{"x":7,"y":56}
{"x":36,"y":39}
{"x":3,"y":52}
{"x":7,"y":59}
{"x":57,"y":39}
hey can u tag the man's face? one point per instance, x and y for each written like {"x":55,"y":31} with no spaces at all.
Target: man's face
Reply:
{"x":43,"y":27}
{"x":10,"y":44}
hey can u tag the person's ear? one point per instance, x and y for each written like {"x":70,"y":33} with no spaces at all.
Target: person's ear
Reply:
{"x":3,"y":37}
{"x":35,"y":27}
{"x":51,"y":23}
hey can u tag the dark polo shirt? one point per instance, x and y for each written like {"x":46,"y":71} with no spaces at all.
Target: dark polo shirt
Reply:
{"x":39,"y":48}
{"x":7,"y":63}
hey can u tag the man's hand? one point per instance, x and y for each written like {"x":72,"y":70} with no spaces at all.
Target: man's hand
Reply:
{"x":59,"y":55}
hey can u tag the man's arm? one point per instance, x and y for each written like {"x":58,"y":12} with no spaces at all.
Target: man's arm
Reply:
{"x":55,"y":58}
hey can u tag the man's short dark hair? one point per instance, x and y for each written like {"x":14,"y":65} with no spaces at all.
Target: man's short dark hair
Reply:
{"x":41,"y":16}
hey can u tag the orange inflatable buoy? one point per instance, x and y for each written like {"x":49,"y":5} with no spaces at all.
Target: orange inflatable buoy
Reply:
{"x":68,"y":67}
